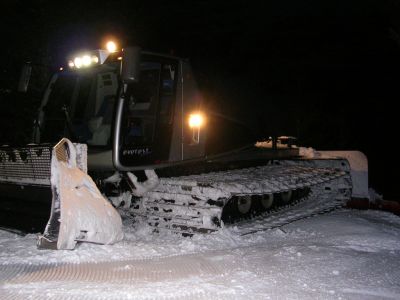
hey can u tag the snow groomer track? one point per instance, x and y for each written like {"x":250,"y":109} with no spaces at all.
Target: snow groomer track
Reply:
{"x":197,"y":203}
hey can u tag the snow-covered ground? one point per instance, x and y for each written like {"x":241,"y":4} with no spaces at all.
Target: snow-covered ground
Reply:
{"x":346,"y":254}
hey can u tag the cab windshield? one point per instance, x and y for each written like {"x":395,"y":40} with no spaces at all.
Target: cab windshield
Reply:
{"x":80,"y":105}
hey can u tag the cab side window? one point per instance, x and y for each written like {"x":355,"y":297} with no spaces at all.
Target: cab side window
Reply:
{"x":167,"y":94}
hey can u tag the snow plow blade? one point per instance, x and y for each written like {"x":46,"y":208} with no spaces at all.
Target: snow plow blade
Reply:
{"x":78,"y":211}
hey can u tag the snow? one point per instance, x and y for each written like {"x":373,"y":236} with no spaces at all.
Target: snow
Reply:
{"x":358,"y":170}
{"x":347,"y":254}
{"x":358,"y":167}
{"x":309,"y":152}
{"x":143,"y":187}
{"x":85,"y":214}
{"x":357,"y":160}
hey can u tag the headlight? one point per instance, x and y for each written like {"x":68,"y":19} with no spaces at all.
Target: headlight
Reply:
{"x":111,"y":46}
{"x":95,"y":59}
{"x":78,"y":62}
{"x":196,"y":120}
{"x":85,"y":60}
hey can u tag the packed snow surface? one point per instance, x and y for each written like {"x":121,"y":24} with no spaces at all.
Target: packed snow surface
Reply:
{"x":346,"y":254}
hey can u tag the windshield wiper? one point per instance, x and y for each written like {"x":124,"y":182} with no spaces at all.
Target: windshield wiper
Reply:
{"x":69,"y":123}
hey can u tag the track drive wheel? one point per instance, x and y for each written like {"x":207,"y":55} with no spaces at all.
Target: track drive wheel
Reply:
{"x":243,"y":205}
{"x":267,"y":201}
{"x":286,"y":197}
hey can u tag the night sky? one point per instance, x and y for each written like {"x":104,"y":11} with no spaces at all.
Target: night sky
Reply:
{"x":327,"y":72}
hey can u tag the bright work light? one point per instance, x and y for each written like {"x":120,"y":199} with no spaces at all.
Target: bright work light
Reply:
{"x":111,"y":47}
{"x":196,"y":120}
{"x":78,"y":62}
{"x":91,"y":58}
{"x":84,"y":60}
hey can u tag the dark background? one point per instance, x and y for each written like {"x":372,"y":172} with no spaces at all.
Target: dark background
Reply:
{"x":327,"y":72}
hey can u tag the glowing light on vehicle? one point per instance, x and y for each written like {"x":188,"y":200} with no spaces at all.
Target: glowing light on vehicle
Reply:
{"x":86,"y":60}
{"x":78,"y":62}
{"x":111,"y":46}
{"x":196,"y":120}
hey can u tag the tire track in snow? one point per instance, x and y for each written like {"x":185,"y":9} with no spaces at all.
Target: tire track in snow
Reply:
{"x":110,"y":296}
{"x":50,"y":277}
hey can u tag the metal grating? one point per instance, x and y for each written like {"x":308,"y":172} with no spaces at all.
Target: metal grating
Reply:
{"x":26,"y":165}
{"x":62,"y":151}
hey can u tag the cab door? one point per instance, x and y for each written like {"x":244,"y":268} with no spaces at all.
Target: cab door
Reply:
{"x":147,"y":116}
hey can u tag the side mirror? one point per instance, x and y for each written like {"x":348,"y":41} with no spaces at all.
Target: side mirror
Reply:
{"x":24,"y":78}
{"x":130,"y":68}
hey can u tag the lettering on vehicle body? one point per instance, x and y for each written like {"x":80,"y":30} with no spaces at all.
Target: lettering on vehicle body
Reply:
{"x":137,"y":152}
